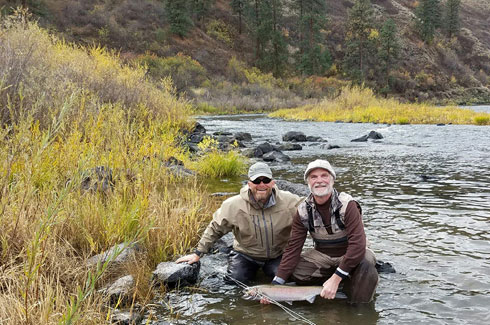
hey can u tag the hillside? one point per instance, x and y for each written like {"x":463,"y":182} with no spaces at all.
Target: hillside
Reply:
{"x":448,"y":69}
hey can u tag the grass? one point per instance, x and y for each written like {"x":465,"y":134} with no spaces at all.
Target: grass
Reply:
{"x":65,"y":110}
{"x":358,"y":104}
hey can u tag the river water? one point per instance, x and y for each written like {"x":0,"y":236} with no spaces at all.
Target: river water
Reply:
{"x":425,"y":193}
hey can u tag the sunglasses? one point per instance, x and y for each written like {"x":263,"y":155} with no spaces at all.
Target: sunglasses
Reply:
{"x":264,"y":180}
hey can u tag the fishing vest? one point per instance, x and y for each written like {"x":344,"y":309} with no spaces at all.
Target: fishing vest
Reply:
{"x":312,"y":220}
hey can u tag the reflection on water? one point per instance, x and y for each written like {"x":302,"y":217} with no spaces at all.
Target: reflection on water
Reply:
{"x":425,"y":193}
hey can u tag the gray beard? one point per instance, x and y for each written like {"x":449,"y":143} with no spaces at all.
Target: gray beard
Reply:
{"x":321,"y":192}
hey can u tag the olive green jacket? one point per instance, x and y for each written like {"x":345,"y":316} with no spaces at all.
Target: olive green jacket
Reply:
{"x":261,"y":233}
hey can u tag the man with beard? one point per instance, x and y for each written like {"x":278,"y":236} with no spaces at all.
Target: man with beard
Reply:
{"x":334,"y":221}
{"x":260,"y":218}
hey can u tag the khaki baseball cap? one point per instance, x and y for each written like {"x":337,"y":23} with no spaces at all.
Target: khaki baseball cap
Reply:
{"x":259,"y":169}
{"x":319,"y":163}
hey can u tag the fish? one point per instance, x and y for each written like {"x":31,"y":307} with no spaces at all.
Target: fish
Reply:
{"x":285,"y":293}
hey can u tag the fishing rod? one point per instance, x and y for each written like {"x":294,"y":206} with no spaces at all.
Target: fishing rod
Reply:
{"x":288,"y":311}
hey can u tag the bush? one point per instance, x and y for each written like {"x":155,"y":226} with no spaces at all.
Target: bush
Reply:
{"x":184,"y":71}
{"x":219,"y":30}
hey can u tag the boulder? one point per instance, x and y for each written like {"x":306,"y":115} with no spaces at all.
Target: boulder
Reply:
{"x":294,"y":136}
{"x":120,"y":291}
{"x":298,"y":189}
{"x":98,"y":179}
{"x":243,"y":136}
{"x":265,"y":147}
{"x":275,"y":156}
{"x":290,"y":146}
{"x":174,"y":274}
{"x":125,"y":317}
{"x":117,"y":254}
{"x":224,"y":244}
{"x":372,"y":135}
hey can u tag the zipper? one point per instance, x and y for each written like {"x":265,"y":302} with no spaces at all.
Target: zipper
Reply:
{"x":268,"y":249}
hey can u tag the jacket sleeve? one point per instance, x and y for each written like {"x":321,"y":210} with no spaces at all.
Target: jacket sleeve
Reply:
{"x":219,"y":226}
{"x":356,"y":238}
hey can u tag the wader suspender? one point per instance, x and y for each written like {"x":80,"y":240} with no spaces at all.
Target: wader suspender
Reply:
{"x":309,"y":209}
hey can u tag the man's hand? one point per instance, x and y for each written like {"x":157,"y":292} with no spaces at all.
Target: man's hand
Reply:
{"x":330,"y":287}
{"x":190,"y":259}
{"x":265,"y":301}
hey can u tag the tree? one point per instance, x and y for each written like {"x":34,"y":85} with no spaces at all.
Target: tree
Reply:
{"x":270,"y":45}
{"x":238,"y":7}
{"x":360,"y":40}
{"x":389,"y":50}
{"x":199,"y":9}
{"x":428,"y":19}
{"x":451,"y":18}
{"x":178,"y":15}
{"x":314,"y":56}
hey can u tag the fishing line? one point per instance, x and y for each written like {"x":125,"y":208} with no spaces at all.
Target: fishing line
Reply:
{"x":288,"y":311}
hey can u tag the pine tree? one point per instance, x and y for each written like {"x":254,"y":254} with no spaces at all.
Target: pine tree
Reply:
{"x":270,"y":45}
{"x":389,"y":50}
{"x":452,"y":17}
{"x":428,"y":18}
{"x":238,"y":7}
{"x":200,"y":8}
{"x":314,"y":56}
{"x":177,"y":12}
{"x":360,"y":40}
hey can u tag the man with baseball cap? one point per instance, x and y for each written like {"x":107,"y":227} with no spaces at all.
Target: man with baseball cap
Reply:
{"x":260,"y":218}
{"x":334,"y":221}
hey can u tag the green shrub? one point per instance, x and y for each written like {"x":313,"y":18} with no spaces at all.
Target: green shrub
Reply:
{"x":184,"y":71}
{"x":219,"y":30}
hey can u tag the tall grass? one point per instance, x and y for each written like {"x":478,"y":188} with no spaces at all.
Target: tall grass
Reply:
{"x":359,"y":104}
{"x":65,"y":110}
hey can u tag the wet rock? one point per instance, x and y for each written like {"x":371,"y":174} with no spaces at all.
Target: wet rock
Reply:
{"x":180,"y":171}
{"x":265,"y":147}
{"x":125,"y":317}
{"x":384,"y":267}
{"x":290,"y":146}
{"x":311,"y":138}
{"x":98,"y":179}
{"x":196,"y":138}
{"x":120,"y":291}
{"x":224,"y":244}
{"x":275,"y":156}
{"x":198,"y":128}
{"x":258,"y":153}
{"x":176,"y":274}
{"x":118,"y":254}
{"x":243,"y":136}
{"x":249,"y":153}
{"x":298,"y":189}
{"x":294,"y":136}
{"x":372,"y":135}
{"x":332,"y":146}
{"x":222,"y":133}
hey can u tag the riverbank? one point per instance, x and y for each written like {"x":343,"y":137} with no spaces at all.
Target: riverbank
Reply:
{"x":93,"y":155}
{"x":360,"y":105}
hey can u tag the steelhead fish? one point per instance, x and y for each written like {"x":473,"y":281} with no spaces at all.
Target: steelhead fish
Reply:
{"x":286,"y":293}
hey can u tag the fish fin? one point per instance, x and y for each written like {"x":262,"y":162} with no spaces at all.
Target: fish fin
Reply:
{"x":289,"y":302}
{"x":340,"y":295}
{"x":311,"y":299}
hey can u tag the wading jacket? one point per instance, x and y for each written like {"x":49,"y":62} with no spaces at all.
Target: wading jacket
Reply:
{"x":312,"y":220}
{"x":261,"y":233}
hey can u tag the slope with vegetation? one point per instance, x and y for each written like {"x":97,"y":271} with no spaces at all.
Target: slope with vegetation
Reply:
{"x":422,"y":50}
{"x":64,"y":111}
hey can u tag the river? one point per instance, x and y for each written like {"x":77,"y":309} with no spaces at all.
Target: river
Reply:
{"x":425,"y":194}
